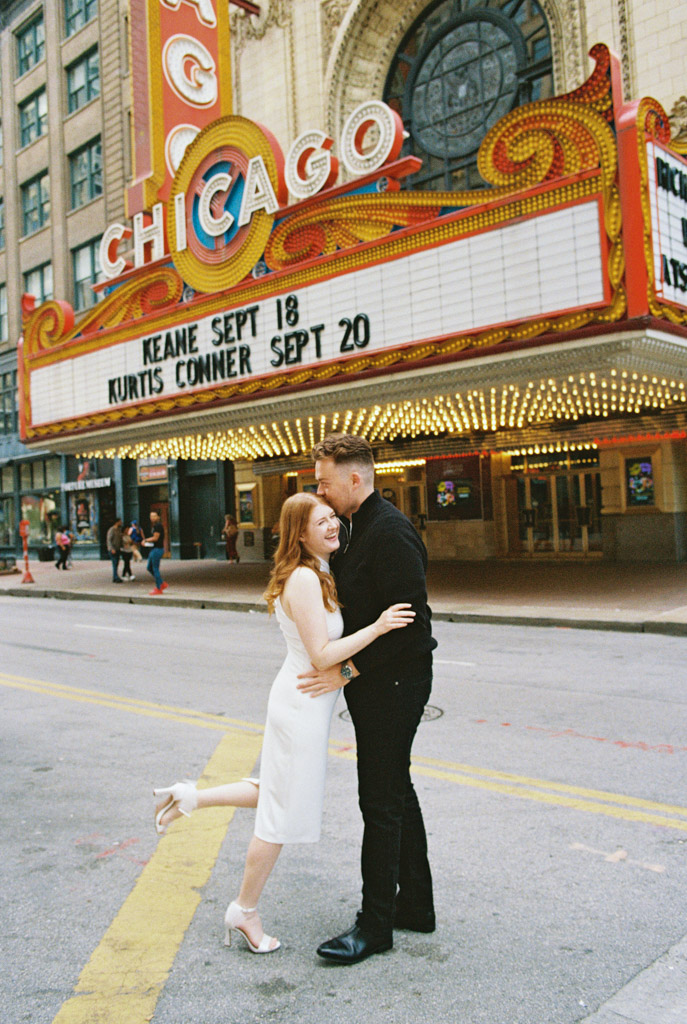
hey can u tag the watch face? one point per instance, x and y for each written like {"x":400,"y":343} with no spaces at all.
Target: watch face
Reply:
{"x":466,"y":79}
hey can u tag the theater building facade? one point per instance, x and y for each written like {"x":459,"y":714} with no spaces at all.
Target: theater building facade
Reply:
{"x":468,"y":245}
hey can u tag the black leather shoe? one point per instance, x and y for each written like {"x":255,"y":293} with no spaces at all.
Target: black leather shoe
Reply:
{"x":414,"y":920}
{"x":353,"y":946}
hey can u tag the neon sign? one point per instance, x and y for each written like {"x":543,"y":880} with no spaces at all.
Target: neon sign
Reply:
{"x":181,"y":82}
{"x":231,"y":183}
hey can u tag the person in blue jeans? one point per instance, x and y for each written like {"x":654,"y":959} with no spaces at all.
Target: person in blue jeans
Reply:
{"x":114,"y":547}
{"x":157,"y":539}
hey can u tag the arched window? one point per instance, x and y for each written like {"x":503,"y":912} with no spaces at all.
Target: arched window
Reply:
{"x":462,"y":65}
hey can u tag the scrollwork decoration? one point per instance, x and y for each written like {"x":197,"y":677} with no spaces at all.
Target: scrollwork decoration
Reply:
{"x":53,"y":322}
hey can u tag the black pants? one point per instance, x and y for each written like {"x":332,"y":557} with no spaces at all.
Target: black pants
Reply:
{"x":126,"y":562}
{"x":62,"y":556}
{"x":386,"y":713}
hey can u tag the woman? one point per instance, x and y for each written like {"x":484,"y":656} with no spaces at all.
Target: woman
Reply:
{"x":230,"y":532}
{"x":127,"y":551}
{"x":63,"y":548}
{"x":290,"y":791}
{"x":137,"y":538}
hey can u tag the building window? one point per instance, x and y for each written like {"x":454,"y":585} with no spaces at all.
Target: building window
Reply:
{"x":38,"y":282}
{"x":4,"y":329}
{"x":42,"y":512}
{"x":33,"y":117}
{"x":86,"y":174}
{"x":30,"y":45}
{"x":77,"y":13}
{"x":2,"y":223}
{"x":35,"y":203}
{"x":9,"y":419}
{"x":1,"y":146}
{"x":86,"y":263}
{"x":83,"y":80}
{"x":463,"y":65}
{"x":7,"y":522}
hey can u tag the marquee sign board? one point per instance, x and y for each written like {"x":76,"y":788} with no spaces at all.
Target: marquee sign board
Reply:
{"x":354,"y":279}
{"x":545,"y":265}
{"x":667,"y":173}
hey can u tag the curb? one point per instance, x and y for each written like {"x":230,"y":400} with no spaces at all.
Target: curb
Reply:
{"x":506,"y":619}
{"x":543,"y":621}
{"x":174,"y":602}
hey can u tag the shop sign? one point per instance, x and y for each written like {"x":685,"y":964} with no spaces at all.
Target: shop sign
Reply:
{"x":544,"y":265}
{"x":668,"y":200}
{"x":152,"y":471}
{"x":87,"y":485}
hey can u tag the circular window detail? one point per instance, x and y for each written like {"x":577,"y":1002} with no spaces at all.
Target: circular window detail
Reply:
{"x":461,"y":66}
{"x":466,"y":79}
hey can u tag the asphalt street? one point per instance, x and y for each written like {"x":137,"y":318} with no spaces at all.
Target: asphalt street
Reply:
{"x":551,"y":769}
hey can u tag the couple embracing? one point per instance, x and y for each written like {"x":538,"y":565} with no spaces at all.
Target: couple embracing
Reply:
{"x":365,"y":626}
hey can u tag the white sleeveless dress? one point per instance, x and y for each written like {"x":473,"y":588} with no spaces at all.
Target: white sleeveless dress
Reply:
{"x":294,"y":752}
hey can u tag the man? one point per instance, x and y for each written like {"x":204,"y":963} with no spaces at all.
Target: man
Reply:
{"x":114,"y":547}
{"x":381,"y":561}
{"x":157,"y":540}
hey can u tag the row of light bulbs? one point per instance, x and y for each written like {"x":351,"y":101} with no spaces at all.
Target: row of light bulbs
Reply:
{"x":585,"y":396}
{"x":559,"y":448}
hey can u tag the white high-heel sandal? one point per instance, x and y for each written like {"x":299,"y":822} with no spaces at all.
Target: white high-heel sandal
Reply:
{"x":183,"y":794}
{"x":234,"y":917}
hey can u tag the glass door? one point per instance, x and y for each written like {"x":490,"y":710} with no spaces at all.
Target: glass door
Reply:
{"x":544,"y":519}
{"x":558,"y":513}
{"x":412,"y":503}
{"x":567,"y":503}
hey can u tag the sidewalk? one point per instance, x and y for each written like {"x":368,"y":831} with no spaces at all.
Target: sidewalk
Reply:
{"x":638,"y":597}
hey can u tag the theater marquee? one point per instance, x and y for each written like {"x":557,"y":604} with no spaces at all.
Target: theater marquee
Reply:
{"x":238,"y":293}
{"x":540,"y":266}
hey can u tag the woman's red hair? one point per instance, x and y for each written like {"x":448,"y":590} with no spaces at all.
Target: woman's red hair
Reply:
{"x":290,"y":553}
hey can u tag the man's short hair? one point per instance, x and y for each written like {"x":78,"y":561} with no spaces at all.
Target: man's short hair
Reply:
{"x":345,"y":448}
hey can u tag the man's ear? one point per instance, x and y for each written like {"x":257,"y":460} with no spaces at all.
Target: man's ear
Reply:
{"x":356,"y":478}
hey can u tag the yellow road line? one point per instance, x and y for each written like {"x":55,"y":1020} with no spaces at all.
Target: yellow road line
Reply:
{"x":519,"y":788}
{"x":106,"y":699}
{"x":558,"y":787}
{"x":523,"y":787}
{"x":122,"y":981}
{"x":581,"y":804}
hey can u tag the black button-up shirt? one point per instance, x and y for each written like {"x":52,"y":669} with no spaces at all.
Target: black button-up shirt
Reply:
{"x":384,"y":563}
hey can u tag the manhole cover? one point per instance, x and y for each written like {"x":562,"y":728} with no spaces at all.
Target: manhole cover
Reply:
{"x":428,"y":715}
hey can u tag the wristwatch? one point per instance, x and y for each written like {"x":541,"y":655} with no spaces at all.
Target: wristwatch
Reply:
{"x":346,"y":671}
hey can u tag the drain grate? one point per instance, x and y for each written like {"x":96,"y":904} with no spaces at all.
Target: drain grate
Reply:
{"x":428,"y":715}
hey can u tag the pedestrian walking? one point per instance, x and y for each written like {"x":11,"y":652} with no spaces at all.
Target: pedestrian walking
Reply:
{"x":127,"y":552}
{"x":137,"y":538}
{"x":114,"y":547}
{"x":290,"y":791}
{"x":156,"y":543}
{"x":387,"y":686}
{"x":70,"y":539}
{"x":63,"y":548}
{"x":230,"y":532}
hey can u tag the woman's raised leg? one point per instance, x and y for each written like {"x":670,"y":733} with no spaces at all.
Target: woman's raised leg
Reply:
{"x":233,"y":794}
